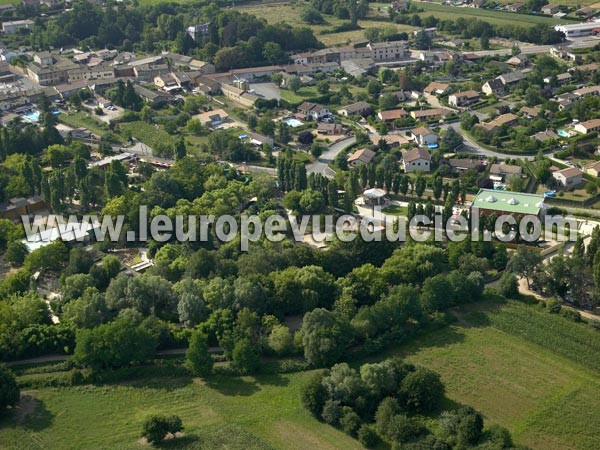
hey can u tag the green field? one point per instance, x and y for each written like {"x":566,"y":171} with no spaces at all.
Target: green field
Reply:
{"x":497,"y":17}
{"x":83,"y":120}
{"x":290,"y":13}
{"x":148,"y":134}
{"x":522,"y":367}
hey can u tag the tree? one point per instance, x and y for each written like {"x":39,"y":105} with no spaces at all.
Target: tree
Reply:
{"x":323,"y":87}
{"x":525,"y":262}
{"x":180,"y":151}
{"x":280,"y":340}
{"x":197,"y":359}
{"x":325,"y":336}
{"x":115,"y":344}
{"x":245,"y":357}
{"x":9,"y":391}
{"x":422,"y":390}
{"x":314,"y":395}
{"x":16,"y":253}
{"x":451,"y":140}
{"x":422,"y":40}
{"x":293,"y":83}
{"x":311,"y":16}
{"x":374,"y":88}
{"x":273,"y":53}
{"x":156,"y":427}
{"x":508,"y":285}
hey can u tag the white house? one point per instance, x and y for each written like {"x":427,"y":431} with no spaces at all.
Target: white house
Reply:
{"x":424,"y":136}
{"x":417,"y":159}
{"x":571,"y":176}
{"x":588,"y":126}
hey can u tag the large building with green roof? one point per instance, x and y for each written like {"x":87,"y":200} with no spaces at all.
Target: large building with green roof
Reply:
{"x":500,"y":203}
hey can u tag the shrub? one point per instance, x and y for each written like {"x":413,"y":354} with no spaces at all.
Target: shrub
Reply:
{"x":245,"y":357}
{"x":9,"y":391}
{"x":350,"y":421}
{"x":314,"y":396}
{"x":156,"y":427}
{"x":367,"y":436}
{"x":332,"y":412}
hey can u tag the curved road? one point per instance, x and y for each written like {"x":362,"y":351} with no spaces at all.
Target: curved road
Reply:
{"x":321,"y":165}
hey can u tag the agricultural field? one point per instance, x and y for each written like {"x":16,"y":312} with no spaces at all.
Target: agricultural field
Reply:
{"x":290,"y":12}
{"x":523,"y":368}
{"x":496,"y":17}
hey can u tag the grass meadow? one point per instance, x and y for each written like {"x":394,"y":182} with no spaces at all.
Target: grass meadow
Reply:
{"x":523,"y":368}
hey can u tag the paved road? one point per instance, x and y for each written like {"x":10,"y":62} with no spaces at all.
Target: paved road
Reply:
{"x":528,"y":49}
{"x":321,"y":166}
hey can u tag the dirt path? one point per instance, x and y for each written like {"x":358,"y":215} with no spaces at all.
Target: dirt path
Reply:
{"x":58,"y":358}
{"x":524,"y":290}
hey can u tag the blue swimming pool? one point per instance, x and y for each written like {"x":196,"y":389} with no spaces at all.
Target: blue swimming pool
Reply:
{"x":562,"y":133}
{"x":32,"y":116}
{"x":294,"y":123}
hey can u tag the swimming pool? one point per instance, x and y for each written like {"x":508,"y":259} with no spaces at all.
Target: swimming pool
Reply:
{"x":32,"y":116}
{"x":294,"y":123}
{"x":563,"y":133}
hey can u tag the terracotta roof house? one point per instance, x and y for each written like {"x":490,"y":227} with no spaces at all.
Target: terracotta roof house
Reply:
{"x":417,"y":159}
{"x":360,"y":157}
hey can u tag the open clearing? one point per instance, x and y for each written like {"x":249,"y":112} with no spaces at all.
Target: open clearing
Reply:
{"x":497,"y":358}
{"x":290,"y":13}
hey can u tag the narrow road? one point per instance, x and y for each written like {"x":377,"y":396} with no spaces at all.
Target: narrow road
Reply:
{"x":321,"y":165}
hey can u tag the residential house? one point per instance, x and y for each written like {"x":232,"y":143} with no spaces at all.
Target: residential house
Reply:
{"x":588,"y":126}
{"x":585,"y":13}
{"x":358,"y":67}
{"x":312,"y":111}
{"x":593,"y":169}
{"x":428,"y":115}
{"x":518,"y":61}
{"x":561,"y":78}
{"x":508,"y":119}
{"x":152,"y":97}
{"x":416,"y":159}
{"x":562,"y":52}
{"x":531,"y":113}
{"x":431,"y":32}
{"x":436,"y":88}
{"x":166,"y":82}
{"x":588,"y":90}
{"x":390,"y":139}
{"x":493,"y":87}
{"x":516,"y":7}
{"x":424,"y":136}
{"x":500,"y":171}
{"x":550,"y":9}
{"x":239,"y":95}
{"x":212,"y":118}
{"x":16,"y":207}
{"x":360,"y":157}
{"x":388,"y":51}
{"x":14,"y":26}
{"x":459,"y":165}
{"x":259,"y":140}
{"x":569,"y":177}
{"x":547,"y":135}
{"x":512,"y":77}
{"x":462,"y":99}
{"x":330,"y":129}
{"x":197,"y":31}
{"x":392,"y":115}
{"x":359,"y":108}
